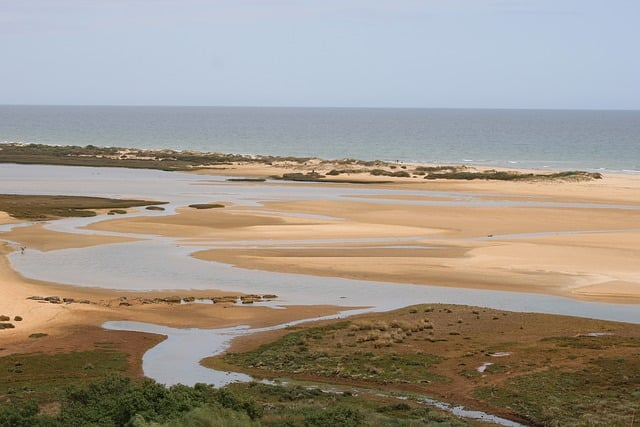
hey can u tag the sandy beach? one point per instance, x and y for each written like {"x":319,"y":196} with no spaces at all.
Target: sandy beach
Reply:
{"x":589,"y":251}
{"x":576,"y":239}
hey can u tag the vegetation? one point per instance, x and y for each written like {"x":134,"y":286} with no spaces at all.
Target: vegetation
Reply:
{"x":36,"y":207}
{"x":317,"y":177}
{"x":453,"y":173}
{"x":90,"y":155}
{"x":438,"y":172}
{"x":382,"y":172}
{"x":39,"y":376}
{"x":601,"y":391}
{"x":119,"y":401}
{"x":304,"y":354}
{"x":206,"y":205}
{"x":539,"y":369}
{"x":296,"y":176}
{"x":89,"y":388}
{"x":171,"y":160}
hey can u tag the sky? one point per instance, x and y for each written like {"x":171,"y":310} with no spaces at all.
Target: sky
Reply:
{"x":552,"y":54}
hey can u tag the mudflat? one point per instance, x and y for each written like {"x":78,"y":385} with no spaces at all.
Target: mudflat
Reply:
{"x":579,"y":239}
{"x":576,"y":238}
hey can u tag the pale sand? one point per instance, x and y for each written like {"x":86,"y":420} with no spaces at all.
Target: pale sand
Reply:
{"x":614,"y":188}
{"x":55,"y":319}
{"x":37,"y":237}
{"x":603,"y":267}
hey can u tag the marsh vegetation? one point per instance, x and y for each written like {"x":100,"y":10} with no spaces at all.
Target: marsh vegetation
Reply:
{"x":539,"y":369}
{"x":44,"y":207}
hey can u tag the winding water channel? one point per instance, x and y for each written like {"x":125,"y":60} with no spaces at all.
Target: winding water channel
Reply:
{"x":165,"y":263}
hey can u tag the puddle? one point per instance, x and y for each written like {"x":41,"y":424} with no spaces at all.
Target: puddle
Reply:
{"x":499,"y":354}
{"x":461,"y":411}
{"x":483,"y":367}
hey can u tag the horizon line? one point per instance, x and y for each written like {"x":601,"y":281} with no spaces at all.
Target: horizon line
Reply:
{"x":321,"y":107}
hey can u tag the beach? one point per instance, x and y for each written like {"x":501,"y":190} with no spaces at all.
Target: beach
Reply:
{"x":232,"y":258}
{"x":542,"y":244}
{"x":573,"y":239}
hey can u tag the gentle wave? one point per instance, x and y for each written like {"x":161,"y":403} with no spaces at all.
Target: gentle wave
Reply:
{"x":532,"y":139}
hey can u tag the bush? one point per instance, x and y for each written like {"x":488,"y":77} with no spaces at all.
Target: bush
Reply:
{"x":23,"y":415}
{"x":338,"y":417}
{"x":117,"y":401}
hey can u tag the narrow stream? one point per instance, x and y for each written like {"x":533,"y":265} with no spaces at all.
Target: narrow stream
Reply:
{"x":169,"y":363}
{"x":159,"y":263}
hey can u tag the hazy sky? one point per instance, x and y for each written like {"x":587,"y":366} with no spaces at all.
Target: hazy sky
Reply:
{"x":368,"y":53}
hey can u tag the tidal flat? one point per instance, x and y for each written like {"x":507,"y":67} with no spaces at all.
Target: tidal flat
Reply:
{"x":565,"y":247}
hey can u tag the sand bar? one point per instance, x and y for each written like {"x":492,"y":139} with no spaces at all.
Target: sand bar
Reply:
{"x":575,"y":239}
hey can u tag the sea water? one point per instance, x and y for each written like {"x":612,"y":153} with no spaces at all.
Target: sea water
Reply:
{"x":540,"y":139}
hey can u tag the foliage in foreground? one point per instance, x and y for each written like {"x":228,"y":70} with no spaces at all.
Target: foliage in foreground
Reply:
{"x":119,"y":401}
{"x":41,"y":377}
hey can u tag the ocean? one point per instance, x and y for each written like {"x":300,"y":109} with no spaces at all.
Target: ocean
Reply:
{"x":539,"y":139}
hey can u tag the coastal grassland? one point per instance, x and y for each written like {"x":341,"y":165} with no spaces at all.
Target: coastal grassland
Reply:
{"x":116,"y":400}
{"x":40,"y":376}
{"x":307,"y":169}
{"x":40,"y":368}
{"x":206,"y":205}
{"x":305,"y":405}
{"x":449,"y":172}
{"x":539,"y":369}
{"x":94,"y":387}
{"x":344,"y":361}
{"x":90,"y":155}
{"x":43,"y":207}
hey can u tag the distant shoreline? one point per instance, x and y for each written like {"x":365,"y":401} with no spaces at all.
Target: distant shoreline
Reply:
{"x":545,"y":140}
{"x":299,"y":168}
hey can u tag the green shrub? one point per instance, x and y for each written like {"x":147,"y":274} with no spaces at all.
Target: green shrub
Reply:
{"x":337,"y":416}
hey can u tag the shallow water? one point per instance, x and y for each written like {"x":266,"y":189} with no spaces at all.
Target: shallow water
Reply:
{"x":158,"y":263}
{"x":161,"y":265}
{"x":177,"y":359}
{"x":516,"y":138}
{"x":169,"y":363}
